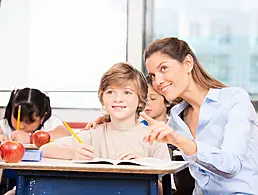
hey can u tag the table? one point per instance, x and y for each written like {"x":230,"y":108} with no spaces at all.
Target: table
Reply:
{"x":62,"y":177}
{"x":30,"y":147}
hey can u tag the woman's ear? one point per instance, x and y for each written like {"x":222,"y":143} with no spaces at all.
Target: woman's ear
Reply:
{"x":189,"y":63}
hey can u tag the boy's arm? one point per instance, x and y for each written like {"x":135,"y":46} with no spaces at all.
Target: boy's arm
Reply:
{"x":59,"y":131}
{"x":69,"y":148}
{"x":63,"y":148}
{"x":58,"y":151}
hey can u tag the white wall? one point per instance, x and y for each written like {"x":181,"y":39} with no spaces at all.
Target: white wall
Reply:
{"x":15,"y":59}
{"x":72,"y":115}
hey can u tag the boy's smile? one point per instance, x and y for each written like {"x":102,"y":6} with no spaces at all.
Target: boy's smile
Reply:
{"x":121,"y":102}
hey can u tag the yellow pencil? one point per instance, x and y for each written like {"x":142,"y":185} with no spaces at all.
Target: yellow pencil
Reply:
{"x":18,"y":118}
{"x":72,"y":132}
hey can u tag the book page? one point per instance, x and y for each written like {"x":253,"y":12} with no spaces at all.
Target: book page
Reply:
{"x":97,"y":161}
{"x":147,"y":161}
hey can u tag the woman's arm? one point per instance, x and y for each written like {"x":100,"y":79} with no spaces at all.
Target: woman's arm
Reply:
{"x":225,"y":160}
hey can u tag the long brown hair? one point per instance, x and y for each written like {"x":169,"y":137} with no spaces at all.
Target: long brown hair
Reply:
{"x":122,"y":74}
{"x":178,"y":50}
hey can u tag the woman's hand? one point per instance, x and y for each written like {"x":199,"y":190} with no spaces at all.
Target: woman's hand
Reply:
{"x":159,"y":131}
{"x":127,"y":155}
{"x":94,"y":124}
{"x":84,"y":152}
{"x":22,"y":136}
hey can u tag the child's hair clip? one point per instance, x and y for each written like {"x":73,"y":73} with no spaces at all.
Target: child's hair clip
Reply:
{"x":15,"y":90}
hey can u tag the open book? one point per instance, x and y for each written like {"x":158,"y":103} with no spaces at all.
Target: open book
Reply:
{"x":146,"y":161}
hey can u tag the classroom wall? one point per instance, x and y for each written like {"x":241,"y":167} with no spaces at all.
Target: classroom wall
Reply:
{"x":72,"y":115}
{"x":75,"y":115}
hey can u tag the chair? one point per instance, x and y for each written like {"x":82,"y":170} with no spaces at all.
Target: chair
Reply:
{"x":183,"y":180}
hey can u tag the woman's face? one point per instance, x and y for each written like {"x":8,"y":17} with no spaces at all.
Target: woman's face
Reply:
{"x":26,"y":125}
{"x":170,"y":77}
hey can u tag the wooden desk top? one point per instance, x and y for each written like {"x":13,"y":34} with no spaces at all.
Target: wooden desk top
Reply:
{"x":30,"y":147}
{"x":66,"y":165}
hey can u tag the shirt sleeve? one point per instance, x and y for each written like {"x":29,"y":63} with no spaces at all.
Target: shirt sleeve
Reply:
{"x":5,"y":128}
{"x":52,"y":123}
{"x":227,"y":160}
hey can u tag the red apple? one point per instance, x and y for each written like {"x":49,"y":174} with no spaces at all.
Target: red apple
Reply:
{"x":12,"y":151}
{"x":40,"y":138}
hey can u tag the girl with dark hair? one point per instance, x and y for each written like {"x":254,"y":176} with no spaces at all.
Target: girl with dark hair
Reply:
{"x":215,"y":126}
{"x":36,"y":114}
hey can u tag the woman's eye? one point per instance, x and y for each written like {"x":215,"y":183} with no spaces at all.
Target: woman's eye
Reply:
{"x":163,"y":68}
{"x":109,"y":92}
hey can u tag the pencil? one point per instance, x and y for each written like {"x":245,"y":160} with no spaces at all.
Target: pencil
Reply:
{"x":72,"y":132}
{"x":18,"y":118}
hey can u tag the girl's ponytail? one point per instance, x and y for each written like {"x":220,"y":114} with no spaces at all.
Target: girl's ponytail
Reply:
{"x":9,"y":108}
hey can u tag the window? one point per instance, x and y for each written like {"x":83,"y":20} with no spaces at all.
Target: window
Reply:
{"x":223,"y":35}
{"x":61,"y":46}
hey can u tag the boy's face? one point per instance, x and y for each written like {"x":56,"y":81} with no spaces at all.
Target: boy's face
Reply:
{"x":27,"y":126}
{"x":121,"y":102}
{"x":155,"y":106}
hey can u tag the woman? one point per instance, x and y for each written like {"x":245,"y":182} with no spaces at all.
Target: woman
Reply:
{"x":214,"y":126}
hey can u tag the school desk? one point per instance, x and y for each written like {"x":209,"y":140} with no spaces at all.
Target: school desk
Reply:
{"x":30,"y":147}
{"x":62,"y":177}
{"x":8,"y":174}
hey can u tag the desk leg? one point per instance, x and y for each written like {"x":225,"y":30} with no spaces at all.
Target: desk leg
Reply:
{"x":20,"y":183}
{"x":166,"y":184}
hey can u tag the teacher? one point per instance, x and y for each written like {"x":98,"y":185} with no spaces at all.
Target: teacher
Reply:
{"x":214,"y":126}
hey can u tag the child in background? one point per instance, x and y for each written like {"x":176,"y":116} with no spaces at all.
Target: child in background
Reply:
{"x":36,"y":113}
{"x":157,"y":107}
{"x":122,"y":93}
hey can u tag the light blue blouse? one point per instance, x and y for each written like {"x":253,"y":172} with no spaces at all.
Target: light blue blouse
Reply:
{"x":226,"y":161}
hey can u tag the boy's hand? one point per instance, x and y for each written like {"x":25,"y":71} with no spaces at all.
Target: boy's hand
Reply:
{"x":94,"y":124}
{"x":90,"y":125}
{"x":22,"y":136}
{"x":3,"y":138}
{"x":127,"y":155}
{"x":84,"y":152}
